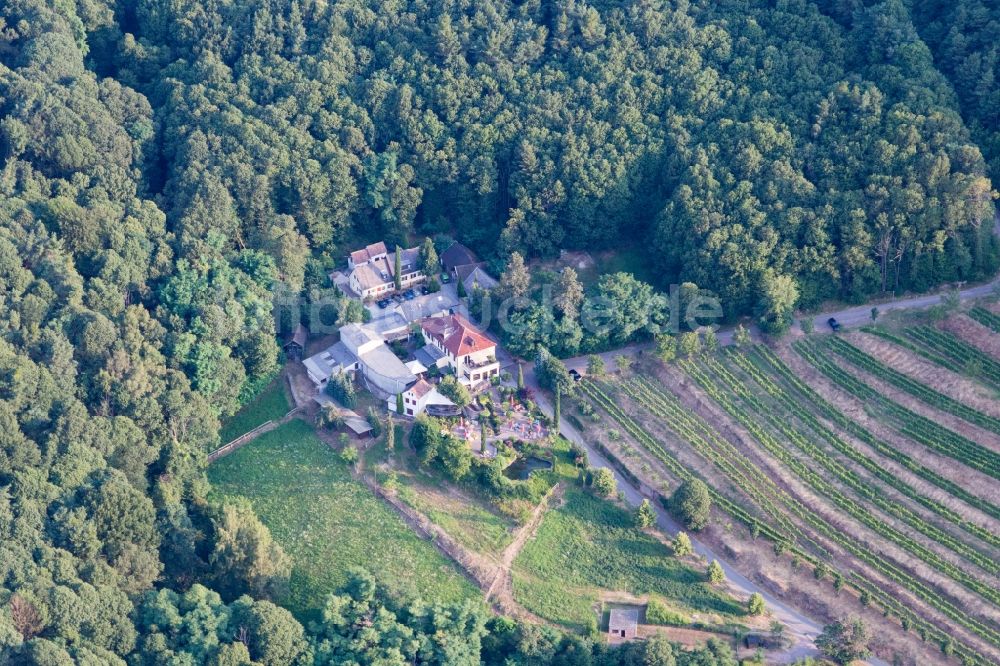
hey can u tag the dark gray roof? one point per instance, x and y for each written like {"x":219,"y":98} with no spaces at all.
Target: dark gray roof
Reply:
{"x":335,"y":358}
{"x":623,"y":618}
{"x":299,"y":336}
{"x":457,"y":255}
{"x":428,"y":355}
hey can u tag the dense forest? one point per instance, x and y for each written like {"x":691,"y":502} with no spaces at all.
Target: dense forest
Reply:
{"x":166,"y":166}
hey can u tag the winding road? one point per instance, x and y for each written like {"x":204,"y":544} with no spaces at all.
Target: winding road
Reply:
{"x":799,"y":629}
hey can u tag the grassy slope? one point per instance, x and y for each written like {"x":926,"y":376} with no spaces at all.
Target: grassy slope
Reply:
{"x":329,"y":522}
{"x":270,"y":404}
{"x":587,"y":545}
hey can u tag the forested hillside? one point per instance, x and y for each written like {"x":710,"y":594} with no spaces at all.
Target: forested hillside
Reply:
{"x":964,"y":36}
{"x":167,"y":165}
{"x":739,"y":139}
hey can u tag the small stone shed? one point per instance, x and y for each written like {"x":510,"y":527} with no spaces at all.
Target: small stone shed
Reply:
{"x":623,"y":623}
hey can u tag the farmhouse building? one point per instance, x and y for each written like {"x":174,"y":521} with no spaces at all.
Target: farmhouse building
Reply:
{"x":465,"y":348}
{"x":371,"y":271}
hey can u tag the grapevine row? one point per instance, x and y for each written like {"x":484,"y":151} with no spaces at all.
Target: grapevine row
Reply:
{"x":986,"y":318}
{"x":752,"y":366}
{"x":719,"y":452}
{"x":853,"y":481}
{"x":899,"y":380}
{"x":875,"y":561}
{"x":674,"y":467}
{"x":911,"y":424}
{"x":955,"y":348}
{"x":885,"y":599}
{"x":766,"y":357}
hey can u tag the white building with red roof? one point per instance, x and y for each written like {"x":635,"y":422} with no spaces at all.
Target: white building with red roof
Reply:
{"x":468,"y":351}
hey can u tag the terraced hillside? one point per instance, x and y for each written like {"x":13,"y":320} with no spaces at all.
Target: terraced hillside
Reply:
{"x":880,"y":483}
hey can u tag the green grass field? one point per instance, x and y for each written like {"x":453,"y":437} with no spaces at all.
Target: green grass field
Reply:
{"x":464,"y":518}
{"x":587,"y":545}
{"x":270,"y":404}
{"x":328,"y":522}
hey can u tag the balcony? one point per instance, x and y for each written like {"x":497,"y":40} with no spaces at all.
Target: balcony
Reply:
{"x":475,"y":365}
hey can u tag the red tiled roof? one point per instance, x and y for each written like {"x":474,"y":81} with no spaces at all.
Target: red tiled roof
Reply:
{"x":456,"y":334}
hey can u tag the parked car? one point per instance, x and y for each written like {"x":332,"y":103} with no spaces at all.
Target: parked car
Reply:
{"x":445,"y":278}
{"x":409,"y":294}
{"x":424,"y":290}
{"x":384,"y":303}
{"x":575,"y":374}
{"x":834,"y":324}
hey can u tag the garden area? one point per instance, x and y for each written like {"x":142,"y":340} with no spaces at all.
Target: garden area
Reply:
{"x":328,"y":522}
{"x":588,"y":547}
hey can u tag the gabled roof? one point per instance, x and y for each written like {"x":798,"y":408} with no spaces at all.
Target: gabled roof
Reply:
{"x":421,"y":388}
{"x":457,"y":255}
{"x":334,"y":358}
{"x":456,"y":334}
{"x":369,"y":253}
{"x":356,"y":335}
{"x":368,"y":277}
{"x":409,"y":260}
{"x":471,"y":275}
{"x":298,"y":337}
{"x":623,"y":618}
{"x":371,"y":272}
{"x":428,"y":355}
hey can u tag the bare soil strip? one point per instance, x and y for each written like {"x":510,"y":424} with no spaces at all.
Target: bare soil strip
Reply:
{"x":974,"y":333}
{"x":972,"y":481}
{"x":940,"y":379}
{"x":769,"y":570}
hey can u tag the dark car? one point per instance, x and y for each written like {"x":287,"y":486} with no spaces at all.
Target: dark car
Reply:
{"x":575,"y":374}
{"x":424,"y":290}
{"x":409,"y":295}
{"x":834,"y":324}
{"x":384,"y":303}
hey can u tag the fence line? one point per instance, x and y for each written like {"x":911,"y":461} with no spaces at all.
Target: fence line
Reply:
{"x":266,"y":426}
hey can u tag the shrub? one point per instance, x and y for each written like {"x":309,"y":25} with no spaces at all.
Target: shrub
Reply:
{"x":692,"y":504}
{"x":682,"y":545}
{"x":845,"y":640}
{"x":645,"y":516}
{"x":755,"y":605}
{"x":604,"y":482}
{"x":658,"y":613}
{"x":349,"y":455}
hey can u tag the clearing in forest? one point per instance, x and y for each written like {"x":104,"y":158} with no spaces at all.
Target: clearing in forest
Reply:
{"x":269,"y":405}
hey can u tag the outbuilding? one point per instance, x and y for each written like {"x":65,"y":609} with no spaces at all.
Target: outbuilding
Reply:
{"x":623,"y":623}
